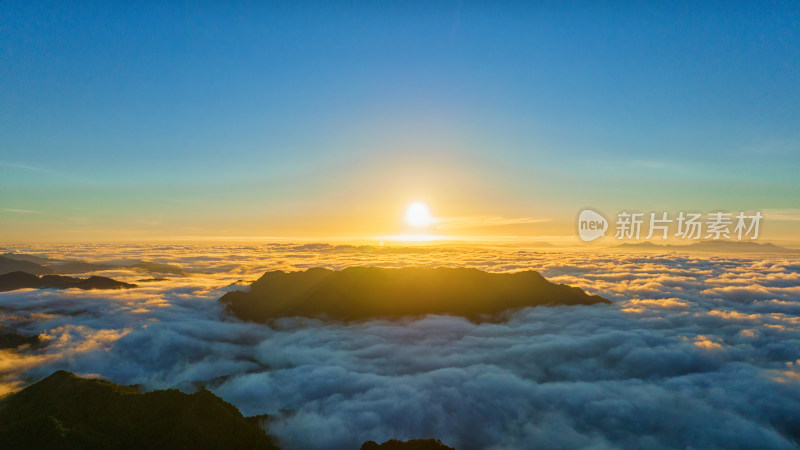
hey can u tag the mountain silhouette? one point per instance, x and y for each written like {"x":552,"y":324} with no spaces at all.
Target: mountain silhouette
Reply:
{"x":74,"y":267}
{"x":12,"y":262}
{"x":30,"y":258}
{"x":369,"y":292}
{"x":67,"y":412}
{"x":10,"y":338}
{"x":736,"y":246}
{"x":17,"y":265}
{"x":157,"y":268}
{"x":414,"y":444}
{"x":710,"y":246}
{"x":21,"y":280}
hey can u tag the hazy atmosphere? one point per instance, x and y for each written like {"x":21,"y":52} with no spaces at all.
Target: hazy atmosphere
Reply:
{"x":395,"y":225}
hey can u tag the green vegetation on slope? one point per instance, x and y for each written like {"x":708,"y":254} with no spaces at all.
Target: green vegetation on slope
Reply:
{"x":66,"y":412}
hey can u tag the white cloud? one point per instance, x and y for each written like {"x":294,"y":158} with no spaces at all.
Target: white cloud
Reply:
{"x":695,"y":351}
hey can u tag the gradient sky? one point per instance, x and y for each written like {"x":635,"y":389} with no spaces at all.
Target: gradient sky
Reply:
{"x":158,"y":120}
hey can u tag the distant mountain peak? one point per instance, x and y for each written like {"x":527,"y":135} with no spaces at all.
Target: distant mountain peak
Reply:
{"x":709,"y":246}
{"x":358,"y":293}
{"x":414,"y":444}
{"x":22,"y":280}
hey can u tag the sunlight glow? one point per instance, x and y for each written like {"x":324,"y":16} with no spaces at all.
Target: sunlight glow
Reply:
{"x":418,"y":215}
{"x":414,"y":238}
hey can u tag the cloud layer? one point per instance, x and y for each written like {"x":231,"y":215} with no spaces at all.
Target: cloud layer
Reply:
{"x":695,"y":351}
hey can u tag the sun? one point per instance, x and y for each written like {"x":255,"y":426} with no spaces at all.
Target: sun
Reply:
{"x":418,"y":215}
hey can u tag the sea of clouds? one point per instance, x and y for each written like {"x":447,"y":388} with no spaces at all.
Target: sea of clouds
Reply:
{"x":695,"y":351}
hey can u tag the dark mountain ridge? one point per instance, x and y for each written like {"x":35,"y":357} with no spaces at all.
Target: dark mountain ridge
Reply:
{"x":358,"y":293}
{"x":13,"y":262}
{"x":21,"y":280}
{"x":413,"y":444}
{"x":67,"y":412}
{"x":709,"y":246}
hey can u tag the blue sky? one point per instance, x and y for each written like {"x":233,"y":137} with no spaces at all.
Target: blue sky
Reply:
{"x":280,"y":115}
